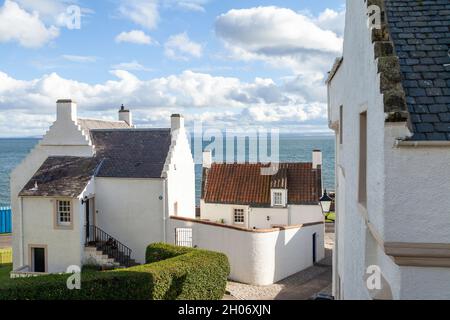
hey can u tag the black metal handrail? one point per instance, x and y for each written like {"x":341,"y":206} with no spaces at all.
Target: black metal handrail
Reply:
{"x":108,"y":245}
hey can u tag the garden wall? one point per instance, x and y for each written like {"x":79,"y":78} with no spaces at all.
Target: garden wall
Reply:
{"x":258,"y":257}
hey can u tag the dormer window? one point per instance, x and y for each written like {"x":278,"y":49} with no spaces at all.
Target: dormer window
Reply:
{"x":278,"y":198}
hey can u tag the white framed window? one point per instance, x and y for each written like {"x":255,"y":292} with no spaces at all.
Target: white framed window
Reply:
{"x":238,"y":216}
{"x":63,"y":212}
{"x":278,"y":198}
{"x":183,"y":237}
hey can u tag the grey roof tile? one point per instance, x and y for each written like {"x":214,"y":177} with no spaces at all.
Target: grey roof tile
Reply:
{"x":61,"y":176}
{"x":132,"y":153}
{"x":120,"y":153}
{"x":420,"y":31}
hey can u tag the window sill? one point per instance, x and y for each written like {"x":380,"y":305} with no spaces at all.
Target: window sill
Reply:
{"x":64,"y":227}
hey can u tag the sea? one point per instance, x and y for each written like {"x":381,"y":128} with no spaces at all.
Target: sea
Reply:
{"x":292,"y":148}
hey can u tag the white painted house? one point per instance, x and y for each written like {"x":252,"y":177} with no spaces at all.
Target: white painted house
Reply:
{"x":239,"y":194}
{"x":389,"y":104}
{"x":93,"y":188}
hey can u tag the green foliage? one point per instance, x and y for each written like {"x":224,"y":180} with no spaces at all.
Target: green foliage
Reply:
{"x":170,"y":273}
{"x":5,"y":269}
{"x":331,"y":217}
{"x":186,"y":273}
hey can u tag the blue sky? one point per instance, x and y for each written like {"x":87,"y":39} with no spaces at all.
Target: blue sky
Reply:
{"x":224,"y":63}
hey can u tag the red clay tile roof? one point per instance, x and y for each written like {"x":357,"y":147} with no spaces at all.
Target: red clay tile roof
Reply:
{"x":244,"y":184}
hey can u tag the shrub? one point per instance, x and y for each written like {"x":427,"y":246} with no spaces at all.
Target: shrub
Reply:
{"x":171,"y":273}
{"x":186,"y":273}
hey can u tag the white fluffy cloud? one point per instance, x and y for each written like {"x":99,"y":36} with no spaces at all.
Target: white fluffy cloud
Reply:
{"x":275,"y":31}
{"x":131,"y":66}
{"x":200,"y":96}
{"x":17,"y":25}
{"x":191,"y":5}
{"x":332,"y":20}
{"x":80,"y":59}
{"x":134,"y":36}
{"x":142,"y":12}
{"x":281,"y":37}
{"x":181,"y":47}
{"x":301,"y":43}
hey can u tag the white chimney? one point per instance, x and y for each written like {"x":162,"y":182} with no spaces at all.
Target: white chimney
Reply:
{"x":317,"y":159}
{"x":207,"y":159}
{"x":176,"y":122}
{"x":125,"y":115}
{"x":66,"y":110}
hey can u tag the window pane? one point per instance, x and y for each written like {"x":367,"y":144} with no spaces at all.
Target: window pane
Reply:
{"x":63,"y":214}
{"x":239,"y":216}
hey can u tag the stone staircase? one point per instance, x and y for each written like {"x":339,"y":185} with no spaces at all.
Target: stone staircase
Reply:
{"x":104,"y":250}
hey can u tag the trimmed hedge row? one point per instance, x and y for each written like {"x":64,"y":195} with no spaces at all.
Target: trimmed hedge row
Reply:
{"x":170,"y":273}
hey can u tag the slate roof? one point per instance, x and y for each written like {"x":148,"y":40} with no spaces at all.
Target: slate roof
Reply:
{"x":420,"y":31}
{"x":93,"y":124}
{"x":120,"y":153}
{"x":61,"y":176}
{"x":243,"y":184}
{"x":131,"y":153}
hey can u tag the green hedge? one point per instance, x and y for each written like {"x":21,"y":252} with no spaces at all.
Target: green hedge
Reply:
{"x":170,"y":273}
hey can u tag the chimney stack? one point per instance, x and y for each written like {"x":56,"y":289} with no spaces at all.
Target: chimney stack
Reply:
{"x":177,"y":122}
{"x":125,"y":115}
{"x":66,"y":110}
{"x":207,"y":159}
{"x":317,"y":159}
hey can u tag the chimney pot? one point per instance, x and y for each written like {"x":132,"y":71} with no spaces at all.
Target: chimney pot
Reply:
{"x":177,"y":122}
{"x":66,"y":110}
{"x":207,"y":159}
{"x":317,"y":159}
{"x":125,"y":115}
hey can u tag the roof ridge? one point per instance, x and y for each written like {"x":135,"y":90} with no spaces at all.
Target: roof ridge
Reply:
{"x":260,"y":163}
{"x":103,"y":120}
{"x":132,"y":129}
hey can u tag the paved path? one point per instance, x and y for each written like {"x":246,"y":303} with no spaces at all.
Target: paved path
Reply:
{"x":5,"y":241}
{"x":300,"y":286}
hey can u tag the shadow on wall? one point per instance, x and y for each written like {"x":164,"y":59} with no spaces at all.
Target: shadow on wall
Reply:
{"x":307,"y":283}
{"x":295,"y":250}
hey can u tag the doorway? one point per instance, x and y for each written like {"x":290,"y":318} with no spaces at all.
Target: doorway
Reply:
{"x":38,"y":261}
{"x":314,"y":246}
{"x":88,"y":220}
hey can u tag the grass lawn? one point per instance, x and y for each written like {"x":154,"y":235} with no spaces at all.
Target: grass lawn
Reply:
{"x":4,"y":272}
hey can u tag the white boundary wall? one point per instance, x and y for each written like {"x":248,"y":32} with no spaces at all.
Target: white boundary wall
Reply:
{"x":258,"y":257}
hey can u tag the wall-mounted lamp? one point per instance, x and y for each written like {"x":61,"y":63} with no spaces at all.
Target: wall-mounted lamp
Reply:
{"x":325,"y":202}
{"x":84,"y":200}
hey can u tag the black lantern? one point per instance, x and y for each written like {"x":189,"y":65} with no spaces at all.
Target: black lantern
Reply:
{"x":325,"y":202}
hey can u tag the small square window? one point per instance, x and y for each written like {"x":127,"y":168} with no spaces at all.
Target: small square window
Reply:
{"x":278,"y":199}
{"x":239,"y":216}
{"x":63,"y":214}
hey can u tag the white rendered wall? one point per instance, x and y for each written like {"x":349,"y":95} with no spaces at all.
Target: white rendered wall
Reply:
{"x":405,"y":190}
{"x":63,"y":246}
{"x":256,"y":217}
{"x":277,"y":216}
{"x":215,"y":212}
{"x":425,"y":283}
{"x":180,"y":173}
{"x":130,"y":210}
{"x":305,"y":214}
{"x":417,"y":185}
{"x":64,"y":138}
{"x":356,"y":88}
{"x":258,"y":258}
